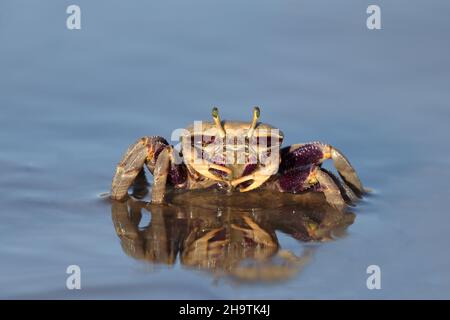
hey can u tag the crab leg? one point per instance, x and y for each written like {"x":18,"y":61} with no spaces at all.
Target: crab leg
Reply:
{"x":144,"y":151}
{"x":347,"y":193}
{"x":314,"y":154}
{"x":346,"y":171}
{"x":256,"y":181}
{"x":330,"y":189}
{"x":306,"y":178}
{"x":205,"y":167}
{"x":257,"y":177}
{"x":160,"y":175}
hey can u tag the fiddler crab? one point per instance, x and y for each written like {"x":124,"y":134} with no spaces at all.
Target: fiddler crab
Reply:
{"x":234,"y":155}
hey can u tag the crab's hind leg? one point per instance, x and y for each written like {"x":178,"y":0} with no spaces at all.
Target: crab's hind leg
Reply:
{"x":145,"y":151}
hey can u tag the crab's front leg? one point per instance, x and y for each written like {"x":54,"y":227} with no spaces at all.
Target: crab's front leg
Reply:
{"x":300,"y":170}
{"x":305,"y":178}
{"x":158,"y":155}
{"x":315,"y":153}
{"x":253,"y":180}
{"x":256,"y":175}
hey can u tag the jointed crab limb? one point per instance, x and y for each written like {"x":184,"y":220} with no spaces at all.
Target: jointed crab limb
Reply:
{"x":347,"y":193}
{"x":330,"y":189}
{"x":346,"y":171}
{"x":315,"y":153}
{"x":308,"y":178}
{"x":160,"y":175}
{"x":257,"y":177}
{"x":145,"y":150}
{"x":254,"y":179}
{"x":128,"y":168}
{"x":205,"y":168}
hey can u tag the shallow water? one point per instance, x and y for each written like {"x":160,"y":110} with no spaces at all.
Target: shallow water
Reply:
{"x":72,"y":101}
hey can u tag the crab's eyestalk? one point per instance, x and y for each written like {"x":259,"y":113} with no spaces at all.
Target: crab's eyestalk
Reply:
{"x":218,"y":122}
{"x":256,"y":113}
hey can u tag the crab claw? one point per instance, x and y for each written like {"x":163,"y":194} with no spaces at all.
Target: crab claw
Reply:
{"x":257,"y":180}
{"x":258,"y":177}
{"x":330,"y":189}
{"x":346,"y":171}
{"x":204,"y":170}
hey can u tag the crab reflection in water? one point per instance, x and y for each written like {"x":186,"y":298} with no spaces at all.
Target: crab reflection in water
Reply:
{"x":229,"y":235}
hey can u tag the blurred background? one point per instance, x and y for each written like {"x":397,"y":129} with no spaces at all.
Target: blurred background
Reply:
{"x":71,"y":101}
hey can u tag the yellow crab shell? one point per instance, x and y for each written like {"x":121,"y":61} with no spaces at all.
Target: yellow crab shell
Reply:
{"x":222,"y":150}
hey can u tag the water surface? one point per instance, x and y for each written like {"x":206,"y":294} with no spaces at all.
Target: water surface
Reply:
{"x":72,"y":101}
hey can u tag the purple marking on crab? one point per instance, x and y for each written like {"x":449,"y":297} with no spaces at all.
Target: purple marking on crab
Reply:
{"x":158,"y":145}
{"x":303,"y":156}
{"x":219,"y":236}
{"x":294,"y":180}
{"x":291,"y":174}
{"x":249,"y":169}
{"x":221,"y":161}
{"x":157,"y":152}
{"x":177,"y":174}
